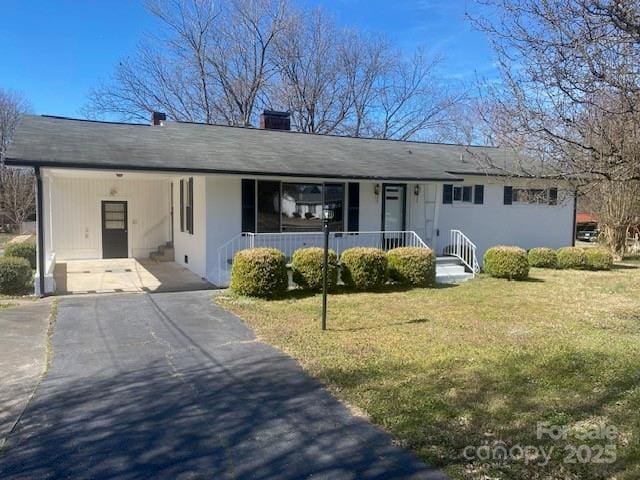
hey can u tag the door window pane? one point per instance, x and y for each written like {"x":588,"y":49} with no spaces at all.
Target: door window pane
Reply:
{"x":394,"y":208}
{"x":268,"y":207}
{"x":114,"y":224}
{"x":301,"y":207}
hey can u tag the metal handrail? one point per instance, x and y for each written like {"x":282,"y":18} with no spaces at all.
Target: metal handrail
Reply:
{"x":289,"y":242}
{"x":461,"y":247}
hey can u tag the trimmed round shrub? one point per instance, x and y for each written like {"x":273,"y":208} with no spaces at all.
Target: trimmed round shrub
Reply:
{"x":306,"y":267}
{"x":259,"y":272}
{"x":363,"y":268}
{"x":543,"y":257}
{"x":25,"y":250}
{"x":572,"y":257}
{"x":598,"y":259}
{"x":506,"y":262}
{"x":413,"y":266}
{"x":15,"y":276}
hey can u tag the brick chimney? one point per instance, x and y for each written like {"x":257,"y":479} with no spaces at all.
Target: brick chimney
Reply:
{"x":158,"y":118}
{"x":272,"y":120}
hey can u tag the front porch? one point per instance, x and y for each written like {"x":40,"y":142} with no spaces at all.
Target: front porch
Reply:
{"x":124,"y":275}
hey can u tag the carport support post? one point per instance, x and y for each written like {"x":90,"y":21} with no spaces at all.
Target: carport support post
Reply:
{"x":40,"y":224}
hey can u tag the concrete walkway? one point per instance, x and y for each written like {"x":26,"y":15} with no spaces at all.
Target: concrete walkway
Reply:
{"x":170,"y":386}
{"x":23,"y":338}
{"x":118,"y":275}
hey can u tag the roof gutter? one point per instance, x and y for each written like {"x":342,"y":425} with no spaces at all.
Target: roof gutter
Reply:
{"x":181,"y":170}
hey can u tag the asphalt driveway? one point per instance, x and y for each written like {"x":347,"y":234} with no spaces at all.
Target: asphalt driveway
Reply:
{"x":170,"y":386}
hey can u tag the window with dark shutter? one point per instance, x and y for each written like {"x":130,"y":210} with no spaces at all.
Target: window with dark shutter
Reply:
{"x":353,"y":217}
{"x":182,"y":205}
{"x":478,"y":194}
{"x":189,"y":207}
{"x":508,"y":195}
{"x":553,"y":196}
{"x":447,"y":194}
{"x":248,"y":205}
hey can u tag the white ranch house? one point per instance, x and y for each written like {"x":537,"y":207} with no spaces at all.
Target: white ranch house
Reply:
{"x":194,"y":194}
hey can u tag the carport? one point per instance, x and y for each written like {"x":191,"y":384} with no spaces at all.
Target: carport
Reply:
{"x":124,"y":275}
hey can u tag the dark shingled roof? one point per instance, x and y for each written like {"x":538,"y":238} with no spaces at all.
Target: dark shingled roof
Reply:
{"x":61,"y":142}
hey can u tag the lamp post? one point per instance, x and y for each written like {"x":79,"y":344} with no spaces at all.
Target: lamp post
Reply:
{"x":327,"y":214}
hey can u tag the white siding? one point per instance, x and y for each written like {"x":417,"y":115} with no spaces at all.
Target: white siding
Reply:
{"x":224,"y":216}
{"x":188,"y":246}
{"x":73,"y":209}
{"x":370,"y":207}
{"x":494,"y":223}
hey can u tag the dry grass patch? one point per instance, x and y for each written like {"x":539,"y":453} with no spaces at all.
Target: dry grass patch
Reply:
{"x":478,"y":363}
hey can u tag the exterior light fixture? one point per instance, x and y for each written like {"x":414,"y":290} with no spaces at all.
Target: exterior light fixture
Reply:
{"x":119,"y":175}
{"x":416,"y":189}
{"x":376,"y":189}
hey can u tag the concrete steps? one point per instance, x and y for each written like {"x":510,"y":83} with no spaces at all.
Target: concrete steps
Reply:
{"x":164,"y":253}
{"x":451,"y":270}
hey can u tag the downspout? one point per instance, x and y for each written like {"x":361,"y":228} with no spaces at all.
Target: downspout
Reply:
{"x":575,"y":213}
{"x":40,"y":225}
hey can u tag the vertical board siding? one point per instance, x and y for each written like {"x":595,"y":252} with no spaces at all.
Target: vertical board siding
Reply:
{"x":76,"y":218}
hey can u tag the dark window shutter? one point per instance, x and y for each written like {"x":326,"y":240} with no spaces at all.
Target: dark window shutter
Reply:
{"x":447,"y":194}
{"x":478,"y":194}
{"x":190,"y":212}
{"x":353,"y":218}
{"x":508,"y":195}
{"x":248,"y":205}
{"x":182,"y":205}
{"x":553,"y":196}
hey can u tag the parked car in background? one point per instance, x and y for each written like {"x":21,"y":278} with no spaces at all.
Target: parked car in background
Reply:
{"x":588,"y":235}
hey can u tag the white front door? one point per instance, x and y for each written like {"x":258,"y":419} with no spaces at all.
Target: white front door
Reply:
{"x":394,"y":207}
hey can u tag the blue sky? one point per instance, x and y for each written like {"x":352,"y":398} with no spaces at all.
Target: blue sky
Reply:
{"x":54,"y":51}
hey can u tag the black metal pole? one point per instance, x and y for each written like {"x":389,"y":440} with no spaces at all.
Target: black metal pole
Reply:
{"x":40,"y":229}
{"x":325,"y":267}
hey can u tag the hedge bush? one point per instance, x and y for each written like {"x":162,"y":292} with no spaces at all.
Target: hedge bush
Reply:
{"x":572,"y":257}
{"x":25,"y":250}
{"x":598,"y":259}
{"x":363,"y":268}
{"x":506,"y":262}
{"x":413,"y":266}
{"x":259,"y":272}
{"x":15,"y":276}
{"x":306,"y":267}
{"x":543,"y":257}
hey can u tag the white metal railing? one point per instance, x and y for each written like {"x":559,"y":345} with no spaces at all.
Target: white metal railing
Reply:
{"x":289,"y":242}
{"x":464,"y":249}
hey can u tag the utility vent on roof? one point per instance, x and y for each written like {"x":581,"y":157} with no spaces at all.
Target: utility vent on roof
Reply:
{"x":158,"y":118}
{"x":272,"y":120}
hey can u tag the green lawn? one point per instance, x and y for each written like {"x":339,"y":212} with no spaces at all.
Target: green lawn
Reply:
{"x":480,"y":363}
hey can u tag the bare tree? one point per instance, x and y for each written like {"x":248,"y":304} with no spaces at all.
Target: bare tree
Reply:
{"x":17,"y":195}
{"x":17,"y":192}
{"x":312,"y":83}
{"x":219,"y":62}
{"x":12,"y":105}
{"x":570,"y":91}
{"x":411,"y":100}
{"x":209,"y":64}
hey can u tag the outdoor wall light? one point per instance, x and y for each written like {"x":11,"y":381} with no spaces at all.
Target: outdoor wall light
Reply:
{"x":327,"y":213}
{"x":416,"y":190}
{"x":119,"y":175}
{"x":376,"y":189}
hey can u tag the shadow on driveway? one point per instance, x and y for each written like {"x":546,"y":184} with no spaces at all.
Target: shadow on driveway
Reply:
{"x":171,"y":386}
